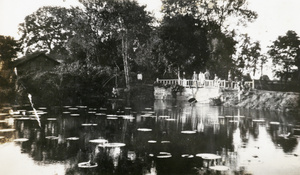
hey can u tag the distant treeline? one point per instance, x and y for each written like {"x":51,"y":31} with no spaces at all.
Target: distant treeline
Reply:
{"x":276,"y":85}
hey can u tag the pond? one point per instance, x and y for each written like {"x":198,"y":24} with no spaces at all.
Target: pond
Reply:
{"x":163,"y":137}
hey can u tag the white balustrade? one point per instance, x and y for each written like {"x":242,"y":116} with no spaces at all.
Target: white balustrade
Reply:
{"x":207,"y":83}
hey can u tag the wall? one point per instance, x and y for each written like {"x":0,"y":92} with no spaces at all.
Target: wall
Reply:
{"x":202,"y":95}
{"x":265,"y":100}
{"x":255,"y":99}
{"x":38,"y":63}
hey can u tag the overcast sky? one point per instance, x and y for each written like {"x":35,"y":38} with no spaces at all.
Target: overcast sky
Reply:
{"x":275,"y":18}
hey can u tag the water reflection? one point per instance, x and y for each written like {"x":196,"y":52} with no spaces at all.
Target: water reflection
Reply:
{"x":166,"y":138}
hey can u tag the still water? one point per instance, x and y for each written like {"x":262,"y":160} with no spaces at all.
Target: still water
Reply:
{"x":164,"y":137}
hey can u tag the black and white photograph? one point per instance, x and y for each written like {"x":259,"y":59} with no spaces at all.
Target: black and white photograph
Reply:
{"x":149,"y":87}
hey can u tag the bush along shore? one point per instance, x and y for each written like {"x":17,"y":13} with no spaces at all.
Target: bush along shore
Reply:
{"x":264,"y":100}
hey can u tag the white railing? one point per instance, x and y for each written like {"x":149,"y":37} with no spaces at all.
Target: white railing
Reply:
{"x":206,"y":83}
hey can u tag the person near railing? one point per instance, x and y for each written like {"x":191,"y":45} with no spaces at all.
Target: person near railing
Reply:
{"x":195,"y":77}
{"x":216,"y":81}
{"x":201,"y":78}
{"x":184,"y":80}
{"x":235,"y":84}
{"x":207,"y":75}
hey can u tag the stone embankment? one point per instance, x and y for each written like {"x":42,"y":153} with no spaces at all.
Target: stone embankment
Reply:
{"x":265,"y":100}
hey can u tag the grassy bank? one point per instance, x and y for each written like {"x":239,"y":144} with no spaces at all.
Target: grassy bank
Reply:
{"x":265,"y":100}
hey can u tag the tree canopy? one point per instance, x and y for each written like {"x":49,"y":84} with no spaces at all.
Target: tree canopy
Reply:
{"x":8,"y":50}
{"x":184,"y":42}
{"x":46,"y":29}
{"x":216,"y":11}
{"x":192,"y":36}
{"x":250,"y":55}
{"x":284,"y":53}
{"x":200,"y":36}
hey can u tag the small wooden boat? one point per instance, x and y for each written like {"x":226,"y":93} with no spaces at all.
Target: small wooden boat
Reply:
{"x":215,"y":101}
{"x":192,"y":100}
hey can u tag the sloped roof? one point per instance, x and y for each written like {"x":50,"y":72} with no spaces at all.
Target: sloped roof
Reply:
{"x":32,"y":56}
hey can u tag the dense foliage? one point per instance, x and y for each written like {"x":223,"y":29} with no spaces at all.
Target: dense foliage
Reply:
{"x":107,"y":43}
{"x":200,"y":38}
{"x":48,"y":29}
{"x":285,"y":54}
{"x":184,"y":43}
{"x":8,"y":50}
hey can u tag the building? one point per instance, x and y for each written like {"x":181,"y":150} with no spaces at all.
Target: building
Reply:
{"x":34,"y":62}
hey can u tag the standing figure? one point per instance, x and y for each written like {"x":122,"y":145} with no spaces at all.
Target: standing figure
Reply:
{"x":201,"y":78}
{"x":216,"y":80}
{"x":195,"y":79}
{"x":184,"y":80}
{"x":207,"y":74}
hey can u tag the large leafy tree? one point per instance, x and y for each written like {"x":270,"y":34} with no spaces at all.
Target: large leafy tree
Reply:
{"x":8,"y":50}
{"x":184,"y":43}
{"x":221,"y":49}
{"x":215,"y":16}
{"x":250,"y":55}
{"x":284,"y":53}
{"x":122,"y":26}
{"x":217,"y":11}
{"x":47,"y":29}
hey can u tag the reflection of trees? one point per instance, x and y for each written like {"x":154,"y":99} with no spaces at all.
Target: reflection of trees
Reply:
{"x":280,"y":131}
{"x":220,"y":134}
{"x":244,"y":130}
{"x":282,"y":138}
{"x":288,"y":144}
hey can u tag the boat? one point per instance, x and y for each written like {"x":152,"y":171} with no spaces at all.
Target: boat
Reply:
{"x":215,"y":101}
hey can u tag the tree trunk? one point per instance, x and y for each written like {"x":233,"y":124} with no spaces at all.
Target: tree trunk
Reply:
{"x":125,"y":59}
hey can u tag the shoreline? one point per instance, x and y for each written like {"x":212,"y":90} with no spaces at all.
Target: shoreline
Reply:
{"x":263,"y":100}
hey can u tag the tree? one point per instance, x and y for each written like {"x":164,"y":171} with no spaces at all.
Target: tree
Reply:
{"x":263,"y":60}
{"x":217,"y":11}
{"x":284,"y":54}
{"x":150,"y":59}
{"x":250,"y":55}
{"x":47,"y":29}
{"x":221,"y":49}
{"x":8,"y":50}
{"x":124,"y":23}
{"x":184,"y":43}
{"x":214,"y":16}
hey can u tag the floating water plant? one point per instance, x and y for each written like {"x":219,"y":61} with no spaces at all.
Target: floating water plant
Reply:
{"x":219,"y":168}
{"x":21,"y":140}
{"x":152,"y":141}
{"x":128,"y":117}
{"x":144,"y":129}
{"x":89,"y":124}
{"x":87,"y":164}
{"x":274,"y":123}
{"x":51,"y":137}
{"x":189,"y":132}
{"x":99,"y":141}
{"x":258,"y":120}
{"x":73,"y":138}
{"x":163,"y":155}
{"x":112,"y":145}
{"x":170,"y":119}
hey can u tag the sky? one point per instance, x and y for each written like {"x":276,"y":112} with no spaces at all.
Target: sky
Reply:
{"x":275,"y":17}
